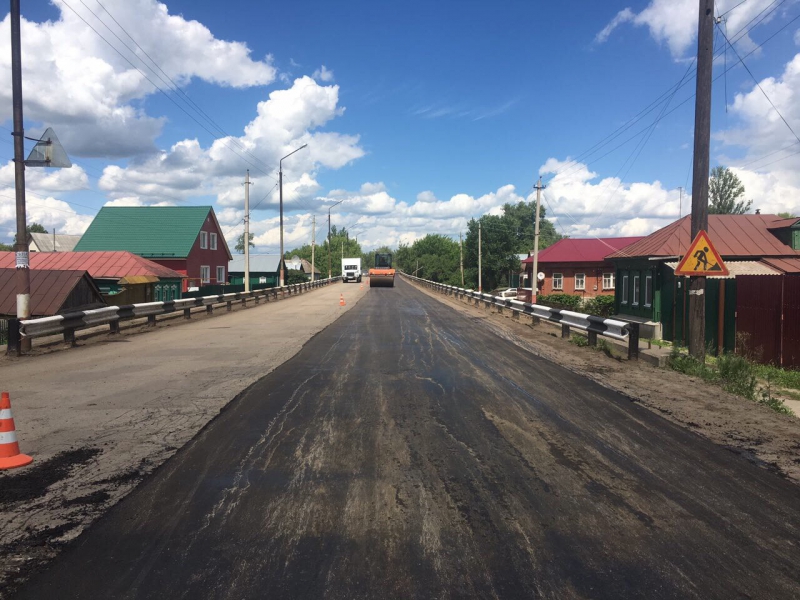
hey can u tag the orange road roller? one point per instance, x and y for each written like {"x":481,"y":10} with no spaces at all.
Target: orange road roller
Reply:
{"x":382,"y":275}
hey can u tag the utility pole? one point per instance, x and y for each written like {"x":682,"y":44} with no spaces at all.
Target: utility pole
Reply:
{"x":535,"y":273}
{"x":480,"y":283}
{"x":313,"y":243}
{"x":23,"y":274}
{"x":680,"y":202}
{"x":281,"y":281}
{"x":702,"y":141}
{"x":461,"y":257}
{"x":417,"y":271}
{"x":247,"y":231}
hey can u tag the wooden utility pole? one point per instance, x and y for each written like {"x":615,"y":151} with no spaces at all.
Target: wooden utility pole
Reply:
{"x":461,"y":257}
{"x":702,"y":141}
{"x":480,"y":283}
{"x":23,"y":275}
{"x":535,"y":273}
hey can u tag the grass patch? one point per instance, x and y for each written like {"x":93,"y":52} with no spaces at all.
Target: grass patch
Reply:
{"x":578,"y":340}
{"x":659,"y":343}
{"x":780,"y":377}
{"x":734,"y":374}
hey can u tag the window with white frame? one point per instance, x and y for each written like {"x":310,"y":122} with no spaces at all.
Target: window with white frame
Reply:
{"x":558,"y":281}
{"x":203,"y":240}
{"x":648,"y":291}
{"x":205,"y":274}
{"x":624,"y":299}
{"x":608,"y":281}
{"x":220,"y":274}
{"x":213,"y":241}
{"x":580,"y":281}
{"x":636,"y":290}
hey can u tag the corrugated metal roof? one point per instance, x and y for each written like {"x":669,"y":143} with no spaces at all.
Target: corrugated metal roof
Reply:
{"x":259,"y":263}
{"x":153,"y":231}
{"x":740,"y":267}
{"x":579,"y":250}
{"x":787,"y":265}
{"x":100,"y":265}
{"x":49,"y":290}
{"x":734,"y":236}
{"x":60,"y":242}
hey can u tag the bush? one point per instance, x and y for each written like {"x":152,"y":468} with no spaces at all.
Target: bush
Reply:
{"x":601,"y":306}
{"x":689,"y":365}
{"x":562,"y":301}
{"x":737,"y":375}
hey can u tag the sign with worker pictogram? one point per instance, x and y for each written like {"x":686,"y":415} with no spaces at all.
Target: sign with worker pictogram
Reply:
{"x":701,"y":259}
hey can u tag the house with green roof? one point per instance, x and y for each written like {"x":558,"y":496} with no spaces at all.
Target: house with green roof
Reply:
{"x":186,"y":239}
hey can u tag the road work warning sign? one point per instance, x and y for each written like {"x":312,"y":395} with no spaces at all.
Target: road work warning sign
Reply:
{"x":701,"y":259}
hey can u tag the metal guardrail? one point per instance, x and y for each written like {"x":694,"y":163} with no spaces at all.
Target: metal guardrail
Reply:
{"x":67,"y":324}
{"x":611,"y":328}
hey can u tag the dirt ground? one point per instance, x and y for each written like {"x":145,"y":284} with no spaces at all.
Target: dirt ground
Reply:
{"x":99,"y":417}
{"x":752,"y":430}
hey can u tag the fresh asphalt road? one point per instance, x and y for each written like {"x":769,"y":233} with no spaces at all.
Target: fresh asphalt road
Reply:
{"x":409,"y":452}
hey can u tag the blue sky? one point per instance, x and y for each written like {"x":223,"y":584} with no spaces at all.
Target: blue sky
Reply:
{"x":426,"y":113}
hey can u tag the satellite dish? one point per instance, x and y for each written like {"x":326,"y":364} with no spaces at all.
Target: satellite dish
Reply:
{"x":48,"y":152}
{"x":540,"y":276}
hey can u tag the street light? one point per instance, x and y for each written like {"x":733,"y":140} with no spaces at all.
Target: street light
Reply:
{"x":330,"y":273}
{"x":280,"y":185}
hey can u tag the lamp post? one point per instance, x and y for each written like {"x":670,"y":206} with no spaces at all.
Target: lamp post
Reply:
{"x":330,"y":272}
{"x":280,"y":185}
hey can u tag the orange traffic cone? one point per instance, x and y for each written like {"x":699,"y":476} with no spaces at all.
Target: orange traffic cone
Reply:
{"x":9,"y":448}
{"x":341,"y":300}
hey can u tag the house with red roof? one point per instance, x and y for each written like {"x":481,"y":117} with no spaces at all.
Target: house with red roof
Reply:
{"x":577,"y":267}
{"x":122,"y":277}
{"x":753,"y":309}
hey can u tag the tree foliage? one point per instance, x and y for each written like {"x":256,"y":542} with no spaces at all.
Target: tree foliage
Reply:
{"x":32,"y":228}
{"x":503,"y":238}
{"x":437,"y":257}
{"x":240,"y":243}
{"x":725,"y":192}
{"x":340,"y":239}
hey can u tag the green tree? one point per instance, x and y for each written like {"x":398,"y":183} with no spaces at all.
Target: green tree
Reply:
{"x":340,"y":243}
{"x":33,"y":228}
{"x":436,"y":255}
{"x":240,"y":242}
{"x":503,"y":238}
{"x":5,"y":247}
{"x":725,"y":191}
{"x":787,"y":215}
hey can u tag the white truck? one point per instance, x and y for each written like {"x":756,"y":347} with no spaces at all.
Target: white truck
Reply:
{"x":351,"y":270}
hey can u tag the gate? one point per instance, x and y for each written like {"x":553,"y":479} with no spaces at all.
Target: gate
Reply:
{"x":791,"y":321}
{"x":758,"y":317}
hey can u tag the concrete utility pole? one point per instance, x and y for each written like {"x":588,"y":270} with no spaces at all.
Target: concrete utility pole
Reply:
{"x":535,"y":273}
{"x":480,"y":283}
{"x":313,"y":243}
{"x":702,"y":140}
{"x":461,"y":257}
{"x":330,"y":272}
{"x":246,"y":231}
{"x":23,"y":274}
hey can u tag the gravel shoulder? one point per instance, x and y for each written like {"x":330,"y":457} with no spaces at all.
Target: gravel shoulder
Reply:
{"x":99,"y":417}
{"x":755,"y":432}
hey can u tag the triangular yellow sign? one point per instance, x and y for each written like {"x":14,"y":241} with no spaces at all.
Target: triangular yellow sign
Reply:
{"x":701,"y":259}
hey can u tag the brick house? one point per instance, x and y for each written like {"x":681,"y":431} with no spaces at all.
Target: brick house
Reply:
{"x":577,"y":267}
{"x":186,"y":239}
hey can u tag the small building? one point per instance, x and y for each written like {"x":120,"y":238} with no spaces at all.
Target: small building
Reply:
{"x":52,"y":292}
{"x":754,"y":309}
{"x":577,"y":267}
{"x":52,"y":242}
{"x":264,"y":270}
{"x":185,"y":239}
{"x":122,"y":277}
{"x":301,"y":264}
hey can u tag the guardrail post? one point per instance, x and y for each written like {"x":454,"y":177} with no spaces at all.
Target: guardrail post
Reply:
{"x":14,"y":346}
{"x":257,"y":299}
{"x":244,"y":302}
{"x":151,"y":320}
{"x":230,"y":305}
{"x":69,"y":336}
{"x":633,"y":341}
{"x":210,"y":309}
{"x":113,"y":327}
{"x":592,"y":338}
{"x":187,"y":313}
{"x":564,"y":330}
